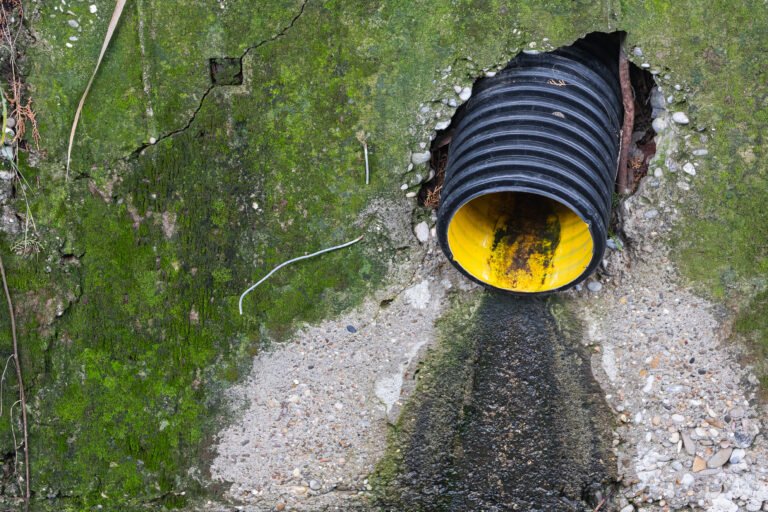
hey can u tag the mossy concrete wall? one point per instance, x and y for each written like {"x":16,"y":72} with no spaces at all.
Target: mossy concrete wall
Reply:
{"x":181,"y":194}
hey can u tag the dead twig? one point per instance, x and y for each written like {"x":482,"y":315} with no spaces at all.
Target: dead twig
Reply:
{"x":22,"y":399}
{"x":21,"y":113}
{"x":629,"y":121}
{"x":119,"y":4}
{"x":307,"y":256}
{"x":599,"y":505}
{"x":364,"y":141}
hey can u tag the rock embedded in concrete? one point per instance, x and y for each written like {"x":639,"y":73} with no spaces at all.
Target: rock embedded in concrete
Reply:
{"x":420,"y":157}
{"x":719,"y":458}
{"x":680,"y":118}
{"x":737,"y":456}
{"x":421,"y":230}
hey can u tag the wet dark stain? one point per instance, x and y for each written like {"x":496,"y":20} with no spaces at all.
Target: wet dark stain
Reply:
{"x":523,"y":426}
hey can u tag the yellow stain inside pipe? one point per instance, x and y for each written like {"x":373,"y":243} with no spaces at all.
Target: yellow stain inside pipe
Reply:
{"x":520,"y":242}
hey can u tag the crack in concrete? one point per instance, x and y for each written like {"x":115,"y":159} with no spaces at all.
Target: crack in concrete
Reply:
{"x":212,"y":86}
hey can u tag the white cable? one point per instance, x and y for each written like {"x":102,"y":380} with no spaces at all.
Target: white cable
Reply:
{"x":307,"y":256}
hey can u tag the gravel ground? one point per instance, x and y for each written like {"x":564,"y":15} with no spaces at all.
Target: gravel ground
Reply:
{"x":689,"y":423}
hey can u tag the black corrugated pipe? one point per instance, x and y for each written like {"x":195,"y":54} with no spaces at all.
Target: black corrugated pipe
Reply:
{"x":527,"y":195}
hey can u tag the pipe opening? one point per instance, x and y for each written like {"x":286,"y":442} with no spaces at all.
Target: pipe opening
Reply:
{"x":524,"y":176}
{"x":520,"y":242}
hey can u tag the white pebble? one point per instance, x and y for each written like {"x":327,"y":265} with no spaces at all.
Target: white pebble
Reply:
{"x":152,"y":140}
{"x":687,"y":480}
{"x":73,"y":23}
{"x":68,"y":45}
{"x":421,"y":230}
{"x":421,"y":158}
{"x":689,"y":168}
{"x":658,"y":172}
{"x":457,"y":88}
{"x":680,"y":118}
{"x":410,"y":195}
{"x":404,"y":186}
{"x":465,"y":94}
{"x":683,"y":185}
{"x":442,"y":125}
{"x":737,"y":456}
{"x":649,"y":384}
{"x":93,"y":9}
{"x":659,"y":125}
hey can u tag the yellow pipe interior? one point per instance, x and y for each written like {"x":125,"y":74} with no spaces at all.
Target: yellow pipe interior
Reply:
{"x":520,"y":242}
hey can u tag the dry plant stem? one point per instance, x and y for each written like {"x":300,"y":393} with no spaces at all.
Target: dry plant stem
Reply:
{"x":119,"y":4}
{"x":306,"y":256}
{"x":629,"y":120}
{"x":19,"y":379}
{"x":367,"y":172}
{"x":20,"y":112}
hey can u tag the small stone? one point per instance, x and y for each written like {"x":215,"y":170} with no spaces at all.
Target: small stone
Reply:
{"x":351,"y":328}
{"x":6,"y":152}
{"x":680,"y":118}
{"x":457,"y":89}
{"x":659,"y":124}
{"x":656,"y":421}
{"x":280,"y":506}
{"x":410,"y":195}
{"x":594,"y":286}
{"x":700,"y":152}
{"x":645,"y":65}
{"x":442,"y":125}
{"x":10,"y":122}
{"x":651,"y":214}
{"x":628,"y":508}
{"x":683,"y":185}
{"x":743,"y":439}
{"x":723,"y":504}
{"x":93,"y":10}
{"x":737,"y":413}
{"x":719,"y":458}
{"x":421,"y":230}
{"x":678,"y":418}
{"x":658,"y":172}
{"x":674,"y":438}
{"x":314,"y":485}
{"x":638,"y":52}
{"x":657,"y":99}
{"x":689,"y":168}
{"x":465,"y":94}
{"x":737,"y":456}
{"x":152,"y":140}
{"x":687,"y":480}
{"x":699,"y":464}
{"x":421,"y":158}
{"x":73,"y":23}
{"x":688,"y":444}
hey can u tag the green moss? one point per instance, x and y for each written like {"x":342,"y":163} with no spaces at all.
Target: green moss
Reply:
{"x":166,"y":239}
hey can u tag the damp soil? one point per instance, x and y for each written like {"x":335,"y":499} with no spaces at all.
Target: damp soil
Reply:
{"x":519,"y":423}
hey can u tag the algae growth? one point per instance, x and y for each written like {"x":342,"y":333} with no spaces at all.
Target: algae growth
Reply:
{"x":183,"y":193}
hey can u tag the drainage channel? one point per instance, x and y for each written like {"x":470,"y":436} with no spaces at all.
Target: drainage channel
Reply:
{"x":512,"y":419}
